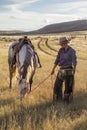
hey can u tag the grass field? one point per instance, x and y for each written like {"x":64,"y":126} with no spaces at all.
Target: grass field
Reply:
{"x":36,"y":111}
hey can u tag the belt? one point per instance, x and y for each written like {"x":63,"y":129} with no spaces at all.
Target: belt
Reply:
{"x":66,"y":67}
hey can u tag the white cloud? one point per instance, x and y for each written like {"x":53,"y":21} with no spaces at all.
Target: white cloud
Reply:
{"x":24,"y":1}
{"x":68,"y":7}
{"x":61,"y":12}
{"x":31,"y":21}
{"x":17,"y":4}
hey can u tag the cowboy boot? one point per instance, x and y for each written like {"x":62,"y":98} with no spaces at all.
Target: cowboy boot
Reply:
{"x":66,"y":98}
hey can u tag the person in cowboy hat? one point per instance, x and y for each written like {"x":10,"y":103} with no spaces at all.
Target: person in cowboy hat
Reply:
{"x":67,"y":61}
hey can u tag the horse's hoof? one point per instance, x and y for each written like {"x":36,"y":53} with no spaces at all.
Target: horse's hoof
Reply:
{"x":10,"y":89}
{"x":28,"y":91}
{"x":40,"y":66}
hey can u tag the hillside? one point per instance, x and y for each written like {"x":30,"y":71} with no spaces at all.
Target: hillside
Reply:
{"x":11,"y":32}
{"x":79,"y":25}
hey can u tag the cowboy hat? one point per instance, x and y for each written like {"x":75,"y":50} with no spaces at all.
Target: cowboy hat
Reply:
{"x":63,"y":40}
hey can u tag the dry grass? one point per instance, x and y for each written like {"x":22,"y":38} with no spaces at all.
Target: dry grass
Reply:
{"x":36,"y":111}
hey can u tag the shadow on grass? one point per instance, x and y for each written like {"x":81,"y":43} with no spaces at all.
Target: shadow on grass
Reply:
{"x":80,"y":100}
{"x":81,"y":126}
{"x":36,"y":114}
{"x":40,"y":112}
{"x":4,"y":102}
{"x":4,"y":89}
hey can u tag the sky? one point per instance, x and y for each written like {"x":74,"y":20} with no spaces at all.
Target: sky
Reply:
{"x":28,"y":15}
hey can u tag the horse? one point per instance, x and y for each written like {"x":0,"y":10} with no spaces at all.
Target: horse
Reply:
{"x":26,"y":62}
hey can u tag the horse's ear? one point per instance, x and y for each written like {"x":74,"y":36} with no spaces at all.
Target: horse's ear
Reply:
{"x":18,"y":78}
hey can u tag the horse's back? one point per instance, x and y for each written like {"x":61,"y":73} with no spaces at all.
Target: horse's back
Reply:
{"x":21,"y":55}
{"x":25,"y":55}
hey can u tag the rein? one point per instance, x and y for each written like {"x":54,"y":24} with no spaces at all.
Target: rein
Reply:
{"x":42,"y":83}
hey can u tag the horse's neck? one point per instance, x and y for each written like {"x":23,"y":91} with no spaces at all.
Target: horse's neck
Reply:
{"x":25,"y":60}
{"x":22,"y":55}
{"x":25,"y":55}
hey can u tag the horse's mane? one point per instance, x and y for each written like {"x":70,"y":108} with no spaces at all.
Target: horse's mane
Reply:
{"x":27,"y":62}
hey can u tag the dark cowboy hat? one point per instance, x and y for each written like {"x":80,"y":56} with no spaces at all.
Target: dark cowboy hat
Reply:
{"x":63,"y":40}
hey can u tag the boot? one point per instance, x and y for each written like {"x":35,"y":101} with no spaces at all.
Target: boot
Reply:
{"x":54,"y":99}
{"x":66,"y":98}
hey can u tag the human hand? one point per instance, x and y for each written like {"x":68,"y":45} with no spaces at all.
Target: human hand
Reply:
{"x":52,"y":72}
{"x":74,"y":70}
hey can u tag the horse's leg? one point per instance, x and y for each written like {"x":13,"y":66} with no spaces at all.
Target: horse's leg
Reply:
{"x":30,"y":82}
{"x":10,"y":76}
{"x":12,"y":69}
{"x":31,"y":78}
{"x":38,"y":60}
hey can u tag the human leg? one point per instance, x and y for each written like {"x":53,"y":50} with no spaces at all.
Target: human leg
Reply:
{"x":57,"y":91}
{"x":69,"y":82}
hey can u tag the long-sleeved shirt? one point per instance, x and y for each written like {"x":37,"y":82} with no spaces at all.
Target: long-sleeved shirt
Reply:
{"x":66,"y":58}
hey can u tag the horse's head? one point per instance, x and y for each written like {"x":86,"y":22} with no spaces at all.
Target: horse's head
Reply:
{"x":23,"y":87}
{"x":21,"y":83}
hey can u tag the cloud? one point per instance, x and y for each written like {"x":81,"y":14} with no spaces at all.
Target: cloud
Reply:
{"x":66,"y":7}
{"x":34,"y":14}
{"x":13,"y":17}
{"x":15,"y":5}
{"x":24,"y":1}
{"x":32,"y":21}
{"x":7,"y":2}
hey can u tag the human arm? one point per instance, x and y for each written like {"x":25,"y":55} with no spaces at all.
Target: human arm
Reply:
{"x":74,"y":61}
{"x":53,"y":69}
{"x":55,"y":63}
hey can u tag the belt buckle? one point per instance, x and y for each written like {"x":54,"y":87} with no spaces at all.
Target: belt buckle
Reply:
{"x":63,"y":71}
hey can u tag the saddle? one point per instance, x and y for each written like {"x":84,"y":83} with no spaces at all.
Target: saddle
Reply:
{"x":17,"y":47}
